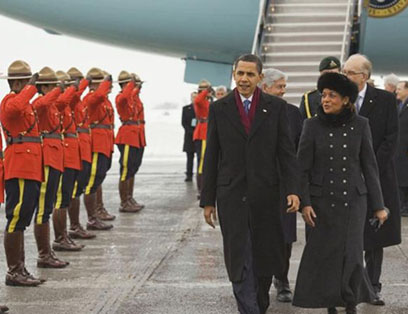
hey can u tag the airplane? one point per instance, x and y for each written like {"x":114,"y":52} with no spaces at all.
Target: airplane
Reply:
{"x":292,"y":35}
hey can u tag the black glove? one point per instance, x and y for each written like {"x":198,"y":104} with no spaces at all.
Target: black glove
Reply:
{"x":33,"y":79}
{"x":76,"y":83}
{"x":89,"y":79}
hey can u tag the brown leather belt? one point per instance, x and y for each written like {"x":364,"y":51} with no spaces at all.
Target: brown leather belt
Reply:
{"x":70,"y":135}
{"x":1,"y":155}
{"x":202,"y":120}
{"x":131,"y":122}
{"x":101,"y":126}
{"x":83,"y":130}
{"x":23,"y":139}
{"x":57,"y":136}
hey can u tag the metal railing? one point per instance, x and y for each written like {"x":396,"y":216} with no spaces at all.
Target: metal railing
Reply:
{"x":258,"y":38}
{"x":348,"y":28}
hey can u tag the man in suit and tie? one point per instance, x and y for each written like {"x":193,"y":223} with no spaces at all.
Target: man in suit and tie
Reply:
{"x":188,"y":121}
{"x":248,"y":146}
{"x":380,"y":108}
{"x":402,"y":153}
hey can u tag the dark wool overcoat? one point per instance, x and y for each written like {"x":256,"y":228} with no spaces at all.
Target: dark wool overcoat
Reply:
{"x":402,"y":152}
{"x":289,"y":219}
{"x":380,"y":108}
{"x":241,"y":176}
{"x":186,"y":121}
{"x":339,"y":172}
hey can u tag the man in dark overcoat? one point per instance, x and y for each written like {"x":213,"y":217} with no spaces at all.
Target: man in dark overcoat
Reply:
{"x":402,"y":152}
{"x":248,"y":146}
{"x":380,"y":108}
{"x":274,"y":83}
{"x":188,"y":121}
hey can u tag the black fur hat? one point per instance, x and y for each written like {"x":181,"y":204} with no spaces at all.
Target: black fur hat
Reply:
{"x":340,"y":84}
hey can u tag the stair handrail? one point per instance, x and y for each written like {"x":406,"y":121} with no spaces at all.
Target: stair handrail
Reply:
{"x":347,"y":30}
{"x":263,"y":9}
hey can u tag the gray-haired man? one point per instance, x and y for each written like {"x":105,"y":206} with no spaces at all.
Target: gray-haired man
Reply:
{"x":274,"y":83}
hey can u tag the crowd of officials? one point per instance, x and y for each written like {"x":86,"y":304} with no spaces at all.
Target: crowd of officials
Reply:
{"x":350,"y":138}
{"x":59,"y":146}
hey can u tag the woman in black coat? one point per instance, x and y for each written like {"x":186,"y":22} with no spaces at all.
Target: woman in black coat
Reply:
{"x":339,"y":173}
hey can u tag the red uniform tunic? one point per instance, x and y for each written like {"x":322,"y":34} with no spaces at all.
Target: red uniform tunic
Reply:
{"x":201,"y":108}
{"x":24,"y":160}
{"x":128,"y":134}
{"x":1,"y":172}
{"x":49,"y":122}
{"x":100,"y":112}
{"x":72,"y":157}
{"x":139,"y":116}
{"x":82,"y":123}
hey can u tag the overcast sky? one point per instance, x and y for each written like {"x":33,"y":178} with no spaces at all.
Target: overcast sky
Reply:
{"x":163,"y":75}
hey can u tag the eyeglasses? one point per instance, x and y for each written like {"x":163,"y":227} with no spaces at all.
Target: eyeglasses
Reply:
{"x":351,"y":73}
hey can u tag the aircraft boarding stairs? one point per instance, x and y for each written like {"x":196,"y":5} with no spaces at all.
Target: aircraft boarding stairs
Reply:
{"x":296,"y":34}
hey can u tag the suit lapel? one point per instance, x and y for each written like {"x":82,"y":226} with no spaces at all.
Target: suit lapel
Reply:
{"x":261,"y":113}
{"x":231,"y":111}
{"x":404,"y":109}
{"x":369,"y":101}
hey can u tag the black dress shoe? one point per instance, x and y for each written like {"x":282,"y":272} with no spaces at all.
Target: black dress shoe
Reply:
{"x":378,"y":300}
{"x":332,"y":310}
{"x":188,"y":179}
{"x":283,"y":291}
{"x":351,"y":309}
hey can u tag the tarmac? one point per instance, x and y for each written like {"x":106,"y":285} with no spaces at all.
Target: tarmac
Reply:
{"x":164,"y":259}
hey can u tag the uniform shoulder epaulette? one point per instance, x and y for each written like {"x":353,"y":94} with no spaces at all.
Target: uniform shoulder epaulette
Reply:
{"x":311,"y":91}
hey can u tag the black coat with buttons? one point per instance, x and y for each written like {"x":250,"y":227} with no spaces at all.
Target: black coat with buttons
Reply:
{"x":339,"y":173}
{"x":380,"y":107}
{"x":241,"y":175}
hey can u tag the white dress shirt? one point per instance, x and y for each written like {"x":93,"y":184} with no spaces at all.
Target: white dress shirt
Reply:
{"x":249,"y":98}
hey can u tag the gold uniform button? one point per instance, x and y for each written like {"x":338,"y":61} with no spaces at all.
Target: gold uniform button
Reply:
{"x":28,"y":151}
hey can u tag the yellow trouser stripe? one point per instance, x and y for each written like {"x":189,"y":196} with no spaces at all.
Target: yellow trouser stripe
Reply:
{"x":75,"y":189}
{"x":125,"y":163}
{"x":307,"y":106}
{"x":203,"y":145}
{"x":59,"y":194}
{"x":43,"y":191}
{"x":93,"y":173}
{"x":16,"y":212}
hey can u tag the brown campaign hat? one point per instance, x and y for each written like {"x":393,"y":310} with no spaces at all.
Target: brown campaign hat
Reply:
{"x":19,"y":70}
{"x":96,"y":75}
{"x":63,"y":77}
{"x":137,"y":78}
{"x":74,"y":73}
{"x":204,"y":84}
{"x":47,"y":76}
{"x":124,"y":77}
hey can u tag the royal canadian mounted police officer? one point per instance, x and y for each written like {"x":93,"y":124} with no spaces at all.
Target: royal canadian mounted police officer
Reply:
{"x":128,"y":141}
{"x":312,"y":99}
{"x":23,"y":168}
{"x":100,"y":113}
{"x":85,"y":148}
{"x":49,"y":124}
